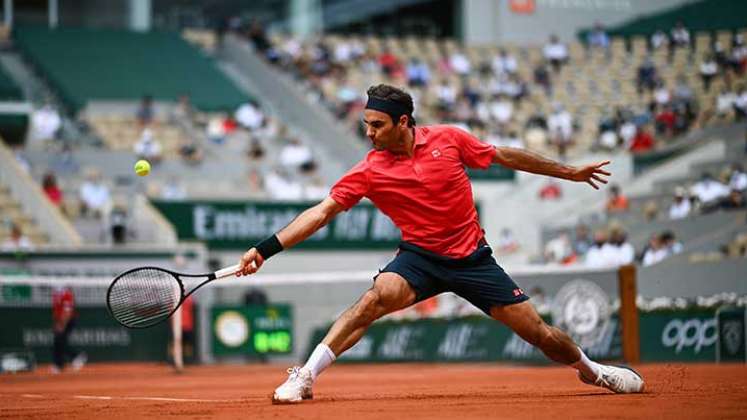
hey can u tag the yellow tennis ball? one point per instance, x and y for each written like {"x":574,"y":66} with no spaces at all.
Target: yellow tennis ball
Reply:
{"x":142,"y":167}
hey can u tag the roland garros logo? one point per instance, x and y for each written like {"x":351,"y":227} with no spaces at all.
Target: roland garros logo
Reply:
{"x":582,"y":309}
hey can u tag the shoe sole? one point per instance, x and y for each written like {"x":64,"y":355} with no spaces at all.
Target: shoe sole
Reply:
{"x":277,"y":401}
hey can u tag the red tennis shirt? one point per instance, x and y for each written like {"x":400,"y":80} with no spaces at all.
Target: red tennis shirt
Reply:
{"x":428,"y":196}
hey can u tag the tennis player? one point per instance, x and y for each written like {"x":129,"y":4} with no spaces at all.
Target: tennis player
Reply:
{"x":416,"y":176}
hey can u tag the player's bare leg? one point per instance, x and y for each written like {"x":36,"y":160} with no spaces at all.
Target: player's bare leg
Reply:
{"x":390,"y":293}
{"x":524,"y":320}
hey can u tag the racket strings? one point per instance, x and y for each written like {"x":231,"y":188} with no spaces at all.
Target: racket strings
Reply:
{"x":144,"y":297}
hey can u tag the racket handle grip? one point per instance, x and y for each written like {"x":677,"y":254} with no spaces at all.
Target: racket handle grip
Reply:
{"x":228,"y":271}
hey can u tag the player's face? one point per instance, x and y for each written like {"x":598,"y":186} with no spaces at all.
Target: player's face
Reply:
{"x":382,"y":132}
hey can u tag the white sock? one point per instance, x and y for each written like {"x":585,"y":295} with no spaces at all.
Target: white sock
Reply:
{"x":587,"y":368}
{"x":320,"y":358}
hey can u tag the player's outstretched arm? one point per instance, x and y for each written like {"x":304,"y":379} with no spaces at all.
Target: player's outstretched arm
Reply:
{"x":303,"y":226}
{"x":524,"y":160}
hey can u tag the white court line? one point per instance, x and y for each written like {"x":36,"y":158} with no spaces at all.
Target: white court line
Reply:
{"x":107,"y":397}
{"x":32,"y":395}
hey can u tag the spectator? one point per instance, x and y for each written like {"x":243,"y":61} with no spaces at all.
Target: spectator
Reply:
{"x":551,"y":190}
{"x":542,"y":78}
{"x":733,"y":201}
{"x":94,"y":195}
{"x":662,"y":96}
{"x":666,"y":121}
{"x":670,"y":242}
{"x":249,"y":116}
{"x":216,"y":129}
{"x":708,"y":70}
{"x":418,"y":73}
{"x":507,"y":243}
{"x":145,"y":113}
{"x":316,"y":189}
{"x":581,"y":241}
{"x":738,"y":57}
{"x":725,"y":103}
{"x":624,"y":253}
{"x":617,"y":202}
{"x":627,"y":133}
{"x":148,"y":148}
{"x":597,"y":37}
{"x":446,"y":95}
{"x":389,"y":63}
{"x":600,"y":253}
{"x":45,"y":124}
{"x":659,"y":39}
{"x":460,"y":64}
{"x":501,"y":109}
{"x":740,"y":104}
{"x":191,"y":152}
{"x":281,"y":187}
{"x":681,"y":205}
{"x":183,"y":113}
{"x":655,"y":251}
{"x":51,"y":190}
{"x":559,"y":250}
{"x":118,"y":224}
{"x":556,"y":53}
{"x":738,"y":178}
{"x":708,"y":190}
{"x":642,"y":142}
{"x":258,"y":37}
{"x":650,"y":211}
{"x":560,"y":127}
{"x":647,"y":75}
{"x":17,"y":241}
{"x":503,"y":64}
{"x":255,"y":152}
{"x":296,"y":155}
{"x":680,"y":35}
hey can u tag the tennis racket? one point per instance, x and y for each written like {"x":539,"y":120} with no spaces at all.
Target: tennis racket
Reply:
{"x":146,"y":296}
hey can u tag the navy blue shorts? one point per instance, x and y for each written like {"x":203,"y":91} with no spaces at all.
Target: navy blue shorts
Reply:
{"x":477,"y":277}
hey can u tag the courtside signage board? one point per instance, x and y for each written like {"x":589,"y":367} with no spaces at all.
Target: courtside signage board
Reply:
{"x":252,"y":330}
{"x":233,"y":224}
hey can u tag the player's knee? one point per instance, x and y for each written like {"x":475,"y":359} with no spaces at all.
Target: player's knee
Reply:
{"x":368,"y":308}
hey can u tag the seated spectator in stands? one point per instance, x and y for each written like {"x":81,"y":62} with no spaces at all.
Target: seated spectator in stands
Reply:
{"x":17,"y":241}
{"x":680,"y":35}
{"x":504,"y":64}
{"x":738,"y":178}
{"x":681,"y":206}
{"x":501,"y":109}
{"x":249,"y":116}
{"x":617,"y":202}
{"x":659,"y":39}
{"x":650,"y":211}
{"x":655,"y":251}
{"x":734,"y":201}
{"x":740,"y":103}
{"x":647,"y":75}
{"x":216,"y":129}
{"x":708,"y":70}
{"x":555,"y":52}
{"x":389,"y":63}
{"x":45,"y":124}
{"x":173,"y":189}
{"x":418,"y":73}
{"x":682,"y":92}
{"x":145,"y":113}
{"x":738,"y":57}
{"x":662,"y":95}
{"x":257,"y":36}
{"x":148,"y":148}
{"x":608,"y":140}
{"x":560,"y":129}
{"x":118,"y":224}
{"x":708,"y":190}
{"x":627,"y":133}
{"x":542,"y":78}
{"x":315,"y":189}
{"x":670,"y":242}
{"x":94,"y":195}
{"x":624,"y":253}
{"x":51,"y":190}
{"x":280,"y":186}
{"x":597,"y":37}
{"x":642,"y":142}
{"x":581,"y":240}
{"x":725,"y":103}
{"x":507,"y":243}
{"x":446,"y":94}
{"x":255,"y":152}
{"x":666,"y":120}
{"x":600,"y":253}
{"x":559,"y":250}
{"x":460,"y":64}
{"x":551,"y":190}
{"x":296,"y":155}
{"x":512,"y":139}
{"x":191,"y":152}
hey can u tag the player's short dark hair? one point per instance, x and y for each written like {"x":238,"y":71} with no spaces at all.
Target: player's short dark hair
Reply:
{"x":391,"y":93}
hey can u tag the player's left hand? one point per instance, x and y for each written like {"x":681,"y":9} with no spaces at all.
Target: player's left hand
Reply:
{"x":591,"y":174}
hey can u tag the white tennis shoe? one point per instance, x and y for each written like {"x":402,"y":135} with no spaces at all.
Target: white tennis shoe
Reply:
{"x":296,"y":388}
{"x":621,"y":380}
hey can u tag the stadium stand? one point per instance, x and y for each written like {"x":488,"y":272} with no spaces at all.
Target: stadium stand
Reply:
{"x":84,"y":65}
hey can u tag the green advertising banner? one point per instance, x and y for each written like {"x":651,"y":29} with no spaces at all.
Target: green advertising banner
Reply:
{"x":95,"y":332}
{"x":679,"y":335}
{"x":234,"y":225}
{"x":732,"y":335}
{"x":251,"y":330}
{"x":470,"y":339}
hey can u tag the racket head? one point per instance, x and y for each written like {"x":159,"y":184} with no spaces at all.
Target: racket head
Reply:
{"x":144,"y":296}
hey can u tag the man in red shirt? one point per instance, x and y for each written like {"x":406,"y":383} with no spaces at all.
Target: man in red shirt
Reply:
{"x":416,"y":176}
{"x":64,"y":316}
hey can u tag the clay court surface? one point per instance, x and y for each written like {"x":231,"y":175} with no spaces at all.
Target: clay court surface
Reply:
{"x":400,"y":391}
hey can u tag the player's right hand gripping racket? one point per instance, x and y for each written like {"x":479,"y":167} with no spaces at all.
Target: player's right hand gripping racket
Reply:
{"x":146,"y":296}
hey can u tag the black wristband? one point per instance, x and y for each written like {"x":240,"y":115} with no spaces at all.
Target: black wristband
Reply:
{"x":269,"y":247}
